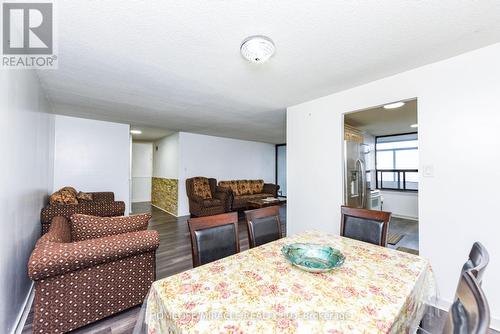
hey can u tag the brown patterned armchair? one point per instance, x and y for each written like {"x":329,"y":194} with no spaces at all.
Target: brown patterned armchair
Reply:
{"x":103,"y":204}
{"x":84,"y":280}
{"x":213,"y":200}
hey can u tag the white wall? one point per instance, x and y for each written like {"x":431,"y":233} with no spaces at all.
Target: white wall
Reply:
{"x":458,"y":122}
{"x":166,"y":157}
{"x":223,"y":159}
{"x":402,"y":204}
{"x":92,"y":156}
{"x":26,"y":145}
{"x":281,"y":169}
{"x":142,"y":171}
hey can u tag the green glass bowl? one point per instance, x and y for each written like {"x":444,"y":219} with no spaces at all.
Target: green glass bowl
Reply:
{"x":312,"y":257}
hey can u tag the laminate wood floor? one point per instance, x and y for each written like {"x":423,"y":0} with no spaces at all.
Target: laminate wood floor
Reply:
{"x":172,"y":257}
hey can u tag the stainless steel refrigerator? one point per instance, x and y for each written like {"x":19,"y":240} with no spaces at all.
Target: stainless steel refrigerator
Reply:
{"x":355,"y":184}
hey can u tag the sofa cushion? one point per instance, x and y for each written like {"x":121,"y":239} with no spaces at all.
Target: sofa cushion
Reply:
{"x":201,"y":187}
{"x":84,"y":227}
{"x":255,"y":196}
{"x":84,"y":197}
{"x":244,"y":187}
{"x":212,"y":202}
{"x":66,"y":195}
{"x":256,"y":186}
{"x":233,"y":185}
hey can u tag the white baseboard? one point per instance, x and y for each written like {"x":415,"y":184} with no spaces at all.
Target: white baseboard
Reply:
{"x":495,"y":324}
{"x":23,"y":315}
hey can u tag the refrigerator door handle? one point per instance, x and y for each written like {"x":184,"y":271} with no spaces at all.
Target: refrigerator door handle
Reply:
{"x":360,"y":166}
{"x":363,"y":191}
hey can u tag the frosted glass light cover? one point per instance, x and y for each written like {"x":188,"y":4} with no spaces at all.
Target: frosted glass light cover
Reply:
{"x":257,"y":49}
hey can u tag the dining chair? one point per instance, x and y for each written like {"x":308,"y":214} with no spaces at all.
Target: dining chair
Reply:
{"x":470,"y":313}
{"x":477,"y":262}
{"x":263,"y":225}
{"x":365,"y":225}
{"x":214,"y":237}
{"x":475,"y":265}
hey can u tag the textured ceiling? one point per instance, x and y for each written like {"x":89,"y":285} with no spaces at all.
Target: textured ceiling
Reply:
{"x":176,"y":64}
{"x":380,"y":122}
{"x":149,"y":133}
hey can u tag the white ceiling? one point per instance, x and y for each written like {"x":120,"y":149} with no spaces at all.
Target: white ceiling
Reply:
{"x":149,"y":133}
{"x":176,"y":64}
{"x":381,"y":122}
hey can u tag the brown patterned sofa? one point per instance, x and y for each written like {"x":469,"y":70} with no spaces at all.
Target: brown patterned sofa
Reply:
{"x":87,"y":270}
{"x":103,"y":204}
{"x":244,"y":190}
{"x":206,"y":198}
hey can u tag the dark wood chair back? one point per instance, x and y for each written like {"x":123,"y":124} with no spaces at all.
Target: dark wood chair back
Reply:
{"x":477,"y":262}
{"x":263,"y":225}
{"x":365,"y":225}
{"x":470,"y":313}
{"x":213,"y":237}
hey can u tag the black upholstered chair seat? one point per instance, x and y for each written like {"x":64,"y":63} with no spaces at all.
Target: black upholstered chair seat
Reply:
{"x":215,"y":243}
{"x":265,"y":230}
{"x":363,"y":229}
{"x":263,"y":225}
{"x":365,"y":225}
{"x":213,"y":237}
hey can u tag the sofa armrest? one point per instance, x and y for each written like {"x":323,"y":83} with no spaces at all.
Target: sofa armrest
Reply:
{"x":225,"y":195}
{"x":103,"y":196}
{"x":52,"y":258}
{"x":101,"y":209}
{"x":270,"y":188}
{"x":197,"y":199}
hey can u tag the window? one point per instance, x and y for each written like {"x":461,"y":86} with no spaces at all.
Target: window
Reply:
{"x":397,"y":162}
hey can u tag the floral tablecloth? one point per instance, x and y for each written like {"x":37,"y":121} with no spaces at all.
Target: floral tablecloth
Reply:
{"x":377,"y":290}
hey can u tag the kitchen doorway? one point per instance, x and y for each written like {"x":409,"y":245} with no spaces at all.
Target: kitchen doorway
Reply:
{"x":381,"y":167}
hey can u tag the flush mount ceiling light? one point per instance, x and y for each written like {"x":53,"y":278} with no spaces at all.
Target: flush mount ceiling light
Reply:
{"x":414,"y":126}
{"x":394,"y":105}
{"x":135,"y":132}
{"x":257,"y":49}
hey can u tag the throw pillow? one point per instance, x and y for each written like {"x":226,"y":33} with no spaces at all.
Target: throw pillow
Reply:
{"x":233,"y":185}
{"x":244,"y":187}
{"x":84,"y":197}
{"x":84,"y":227}
{"x":69,"y":190}
{"x":66,"y":195}
{"x":201,"y":187}
{"x":257,"y":186}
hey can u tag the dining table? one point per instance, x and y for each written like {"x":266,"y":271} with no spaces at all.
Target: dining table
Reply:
{"x":375,"y":290}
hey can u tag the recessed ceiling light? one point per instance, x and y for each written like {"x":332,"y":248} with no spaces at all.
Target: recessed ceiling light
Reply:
{"x":414,"y":126}
{"x":394,"y":105}
{"x":257,"y":49}
{"x":135,"y":132}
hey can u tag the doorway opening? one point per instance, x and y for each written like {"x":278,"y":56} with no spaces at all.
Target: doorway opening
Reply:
{"x":381,"y":167}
